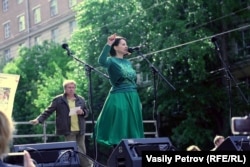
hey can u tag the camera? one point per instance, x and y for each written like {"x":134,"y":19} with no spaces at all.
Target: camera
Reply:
{"x":14,"y":158}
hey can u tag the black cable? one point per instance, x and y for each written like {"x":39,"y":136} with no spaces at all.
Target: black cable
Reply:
{"x":71,"y":154}
{"x":36,"y":151}
{"x":95,"y":163}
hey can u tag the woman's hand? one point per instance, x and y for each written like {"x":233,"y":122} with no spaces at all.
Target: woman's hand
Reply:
{"x":111,"y":39}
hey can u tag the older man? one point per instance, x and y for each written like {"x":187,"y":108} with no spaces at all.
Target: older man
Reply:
{"x":71,"y":112}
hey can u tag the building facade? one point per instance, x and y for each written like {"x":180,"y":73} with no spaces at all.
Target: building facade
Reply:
{"x":30,"y":22}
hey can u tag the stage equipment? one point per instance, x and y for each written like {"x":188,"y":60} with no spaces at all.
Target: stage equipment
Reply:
{"x":229,"y":77}
{"x":156,"y":73}
{"x":240,"y":125}
{"x":129,"y":151}
{"x":63,"y":154}
{"x":88,"y":71}
{"x":235,"y":143}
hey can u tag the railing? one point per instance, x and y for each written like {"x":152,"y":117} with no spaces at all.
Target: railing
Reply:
{"x":45,"y":136}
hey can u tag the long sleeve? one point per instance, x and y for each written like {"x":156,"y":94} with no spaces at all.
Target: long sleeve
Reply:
{"x":84,"y":107}
{"x":52,"y":107}
{"x":103,"y":58}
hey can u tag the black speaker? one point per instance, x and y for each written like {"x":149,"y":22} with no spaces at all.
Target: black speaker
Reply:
{"x":63,"y":154}
{"x":129,"y":151}
{"x":235,"y":143}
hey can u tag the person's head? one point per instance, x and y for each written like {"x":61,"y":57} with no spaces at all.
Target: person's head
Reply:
{"x":69,"y":87}
{"x":6,"y":131}
{"x":119,"y":47}
{"x":218,"y":140}
{"x":193,"y":148}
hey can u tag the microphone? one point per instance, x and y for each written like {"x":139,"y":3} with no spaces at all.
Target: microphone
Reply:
{"x":66,"y":47}
{"x":214,"y":40}
{"x":135,"y":48}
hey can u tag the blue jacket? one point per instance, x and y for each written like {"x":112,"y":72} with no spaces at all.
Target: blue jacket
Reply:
{"x":63,"y":122}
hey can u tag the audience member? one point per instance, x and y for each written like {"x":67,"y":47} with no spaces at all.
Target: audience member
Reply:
{"x":6,"y":131}
{"x":218,"y":140}
{"x":193,"y":148}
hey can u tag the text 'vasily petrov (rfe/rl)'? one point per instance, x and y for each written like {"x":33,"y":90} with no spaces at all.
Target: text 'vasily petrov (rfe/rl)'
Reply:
{"x":202,"y":158}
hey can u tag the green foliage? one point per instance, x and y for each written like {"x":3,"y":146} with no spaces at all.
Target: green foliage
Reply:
{"x":176,"y":39}
{"x":40,"y":75}
{"x":173,"y":33}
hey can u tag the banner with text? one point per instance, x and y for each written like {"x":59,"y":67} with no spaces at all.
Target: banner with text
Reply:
{"x":8,"y":86}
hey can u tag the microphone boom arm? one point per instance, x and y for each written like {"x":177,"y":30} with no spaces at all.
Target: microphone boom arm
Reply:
{"x":227,"y":71}
{"x":88,"y":69}
{"x":87,"y":66}
{"x":155,"y":70}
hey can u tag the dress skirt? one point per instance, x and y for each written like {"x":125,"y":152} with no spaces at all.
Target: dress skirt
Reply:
{"x":120,"y":118}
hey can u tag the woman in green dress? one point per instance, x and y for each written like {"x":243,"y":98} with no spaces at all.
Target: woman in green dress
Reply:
{"x":121,"y":115}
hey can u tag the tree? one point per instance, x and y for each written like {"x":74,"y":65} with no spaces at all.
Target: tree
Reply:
{"x":41,"y":71}
{"x":174,"y":34}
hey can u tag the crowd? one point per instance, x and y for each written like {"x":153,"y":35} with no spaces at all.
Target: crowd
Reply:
{"x":217,"y":141}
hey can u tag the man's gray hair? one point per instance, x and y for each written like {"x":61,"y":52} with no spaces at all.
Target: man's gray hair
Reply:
{"x":66,"y":82}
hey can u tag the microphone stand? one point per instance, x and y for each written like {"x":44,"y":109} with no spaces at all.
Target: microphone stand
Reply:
{"x":155,"y":71}
{"x":228,"y":76}
{"x":89,"y":69}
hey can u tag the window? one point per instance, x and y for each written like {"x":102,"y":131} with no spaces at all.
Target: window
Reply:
{"x":5,"y":5}
{"x":7,"y":55}
{"x":37,"y":15}
{"x":53,"y":8}
{"x":19,"y":1}
{"x":54,"y":35}
{"x":72,"y":26}
{"x":37,"y":40}
{"x":21,"y":45}
{"x":21,"y":23}
{"x":72,"y":3}
{"x":7,"y":30}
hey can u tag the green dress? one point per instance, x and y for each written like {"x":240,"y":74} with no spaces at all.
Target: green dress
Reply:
{"x":121,"y":115}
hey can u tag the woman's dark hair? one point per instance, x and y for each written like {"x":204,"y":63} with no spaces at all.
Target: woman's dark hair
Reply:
{"x":116,"y":43}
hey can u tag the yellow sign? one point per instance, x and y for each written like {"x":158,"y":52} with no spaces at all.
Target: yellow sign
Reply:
{"x":8,"y":86}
